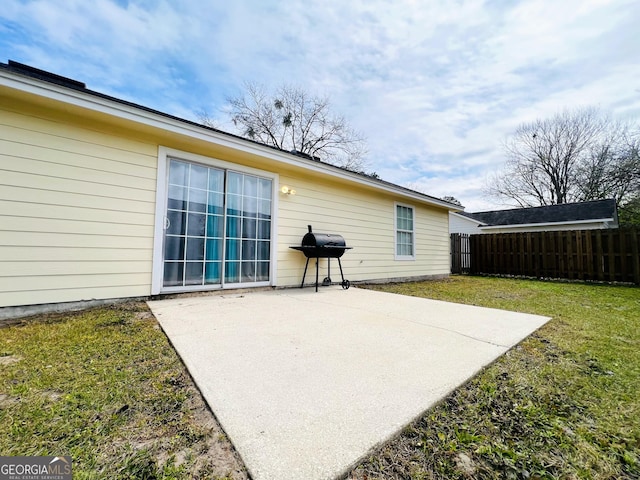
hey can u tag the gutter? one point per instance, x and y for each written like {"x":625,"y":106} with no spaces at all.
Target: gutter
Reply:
{"x":547,"y":224}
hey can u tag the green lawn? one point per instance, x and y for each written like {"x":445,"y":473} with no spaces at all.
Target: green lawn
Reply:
{"x":563,"y":404}
{"x":105,"y":387}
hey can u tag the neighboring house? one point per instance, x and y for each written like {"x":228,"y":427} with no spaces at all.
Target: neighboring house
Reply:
{"x":101,"y":198}
{"x":459,"y":222}
{"x":568,"y":216}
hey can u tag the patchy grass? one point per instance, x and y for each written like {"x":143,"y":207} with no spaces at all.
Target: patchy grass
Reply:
{"x":564,"y":404}
{"x":106,"y":387}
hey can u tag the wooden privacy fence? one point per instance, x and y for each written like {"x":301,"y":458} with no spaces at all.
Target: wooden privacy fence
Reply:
{"x":599,"y":255}
{"x":460,"y":253}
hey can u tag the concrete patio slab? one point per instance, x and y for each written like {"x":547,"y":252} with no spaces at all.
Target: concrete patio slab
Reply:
{"x":305,"y":384}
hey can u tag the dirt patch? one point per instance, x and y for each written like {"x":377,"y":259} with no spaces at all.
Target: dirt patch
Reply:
{"x":144,"y":316}
{"x":9,"y":360}
{"x":215,"y":454}
{"x":221,"y":459}
{"x":465,"y":464}
{"x":7,"y":400}
{"x":209,"y":453}
{"x":132,"y":306}
{"x":52,"y":395}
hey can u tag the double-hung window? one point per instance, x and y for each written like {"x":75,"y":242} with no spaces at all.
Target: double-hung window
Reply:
{"x":405,"y":233}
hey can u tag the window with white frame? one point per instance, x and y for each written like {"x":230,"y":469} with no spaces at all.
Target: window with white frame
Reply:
{"x":405,"y":233}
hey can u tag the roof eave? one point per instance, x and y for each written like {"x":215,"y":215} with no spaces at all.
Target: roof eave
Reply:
{"x":546,"y":224}
{"x":120,"y":109}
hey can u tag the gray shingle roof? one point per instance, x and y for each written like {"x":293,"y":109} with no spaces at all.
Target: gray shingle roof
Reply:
{"x":567,"y":212}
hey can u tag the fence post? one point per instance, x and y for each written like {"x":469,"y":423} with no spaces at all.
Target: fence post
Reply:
{"x":529,"y":246}
{"x":635,"y":239}
{"x":476,"y":254}
{"x":588,"y":254}
{"x":579,"y":259}
{"x":623,"y":256}
{"x":600,"y":256}
{"x":452,"y":251}
{"x":552,"y":263}
{"x":612,"y":257}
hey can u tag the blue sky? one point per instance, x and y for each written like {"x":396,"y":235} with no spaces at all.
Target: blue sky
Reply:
{"x":434,"y":86}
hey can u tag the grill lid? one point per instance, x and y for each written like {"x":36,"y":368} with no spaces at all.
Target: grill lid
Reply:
{"x":322,"y":244}
{"x":322,"y":240}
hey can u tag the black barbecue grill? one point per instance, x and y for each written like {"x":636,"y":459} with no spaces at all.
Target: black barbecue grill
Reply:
{"x":323,"y":245}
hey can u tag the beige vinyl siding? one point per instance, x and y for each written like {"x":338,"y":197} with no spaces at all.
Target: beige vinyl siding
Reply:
{"x":136,"y":288}
{"x":76,"y":210}
{"x":70,"y":241}
{"x":366,"y":219}
{"x":65,"y":254}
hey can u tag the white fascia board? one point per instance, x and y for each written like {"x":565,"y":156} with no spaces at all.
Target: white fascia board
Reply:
{"x":128,"y":112}
{"x":548,"y":224}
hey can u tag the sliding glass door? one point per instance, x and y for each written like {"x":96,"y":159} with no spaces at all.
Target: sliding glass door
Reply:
{"x":217,"y":227}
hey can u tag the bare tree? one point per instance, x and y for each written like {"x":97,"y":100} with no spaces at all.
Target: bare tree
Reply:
{"x":206,"y":119}
{"x":451,"y":199}
{"x":293,"y":120}
{"x":612,"y":170}
{"x":573,"y":156}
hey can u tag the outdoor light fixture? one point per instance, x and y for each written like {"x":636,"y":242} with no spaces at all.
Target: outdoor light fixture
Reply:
{"x":287,"y":190}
